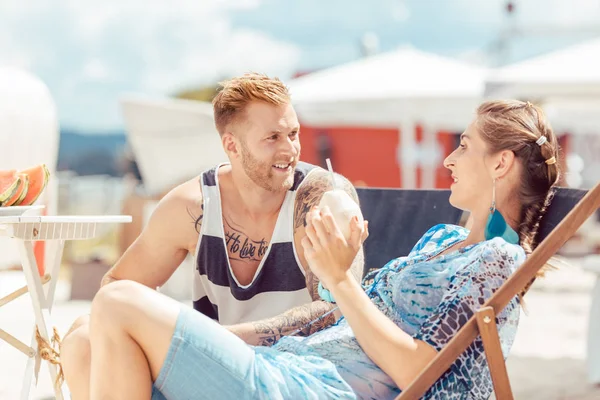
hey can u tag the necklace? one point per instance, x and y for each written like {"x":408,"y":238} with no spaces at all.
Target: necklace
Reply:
{"x":446,"y":249}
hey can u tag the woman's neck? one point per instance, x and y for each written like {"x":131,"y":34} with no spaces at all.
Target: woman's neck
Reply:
{"x":479,"y":222}
{"x":476,"y":230}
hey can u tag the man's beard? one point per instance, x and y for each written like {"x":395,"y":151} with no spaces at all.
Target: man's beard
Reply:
{"x":261,"y":173}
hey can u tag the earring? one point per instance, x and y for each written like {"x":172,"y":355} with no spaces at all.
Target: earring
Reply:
{"x":496,"y":225}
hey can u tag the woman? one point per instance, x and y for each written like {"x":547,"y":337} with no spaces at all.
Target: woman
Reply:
{"x":503,"y":172}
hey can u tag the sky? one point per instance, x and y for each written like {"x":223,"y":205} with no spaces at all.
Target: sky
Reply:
{"x":91,"y":53}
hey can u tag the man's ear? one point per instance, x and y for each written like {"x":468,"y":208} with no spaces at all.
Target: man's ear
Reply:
{"x":503,"y":162}
{"x":230,"y":144}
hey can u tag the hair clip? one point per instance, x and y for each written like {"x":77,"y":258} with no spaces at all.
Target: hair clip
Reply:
{"x":551,"y":160}
{"x":528,"y":104}
{"x":541,"y":140}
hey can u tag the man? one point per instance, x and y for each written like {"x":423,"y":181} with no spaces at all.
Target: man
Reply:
{"x":244,"y":222}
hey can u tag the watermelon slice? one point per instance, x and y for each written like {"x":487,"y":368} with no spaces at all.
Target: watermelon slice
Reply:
{"x":38,"y":179}
{"x":20,"y":193}
{"x":9,"y":184}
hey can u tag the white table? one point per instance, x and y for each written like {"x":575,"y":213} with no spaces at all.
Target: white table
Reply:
{"x":25,"y":230}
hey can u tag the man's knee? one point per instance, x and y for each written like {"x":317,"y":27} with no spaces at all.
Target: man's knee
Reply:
{"x":75,"y":346}
{"x":82,"y":321}
{"x":115,"y":303}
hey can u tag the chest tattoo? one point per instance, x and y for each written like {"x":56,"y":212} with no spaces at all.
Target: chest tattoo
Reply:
{"x":240,"y":246}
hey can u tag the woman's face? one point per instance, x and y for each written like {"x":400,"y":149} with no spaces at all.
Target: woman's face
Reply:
{"x":472,"y":186}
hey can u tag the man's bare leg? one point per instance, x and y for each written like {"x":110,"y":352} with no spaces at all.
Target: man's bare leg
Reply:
{"x":75,"y":356}
{"x":130,"y":330}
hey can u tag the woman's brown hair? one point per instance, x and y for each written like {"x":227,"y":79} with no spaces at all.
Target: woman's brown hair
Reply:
{"x":522,"y":128}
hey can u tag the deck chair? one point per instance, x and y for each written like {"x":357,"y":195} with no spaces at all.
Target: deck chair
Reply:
{"x":412,"y":212}
{"x":567,"y":212}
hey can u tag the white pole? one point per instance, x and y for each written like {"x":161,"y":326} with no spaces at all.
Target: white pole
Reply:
{"x":407,"y":153}
{"x":429,"y":158}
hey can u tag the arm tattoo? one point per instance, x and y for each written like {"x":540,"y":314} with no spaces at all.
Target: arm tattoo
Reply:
{"x":312,"y":284}
{"x":309,"y":194}
{"x":197,"y":221}
{"x":269,"y":331}
{"x":240,"y":247}
{"x":311,"y":191}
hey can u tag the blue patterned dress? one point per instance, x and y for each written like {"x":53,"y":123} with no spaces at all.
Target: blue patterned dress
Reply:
{"x":428,"y":299}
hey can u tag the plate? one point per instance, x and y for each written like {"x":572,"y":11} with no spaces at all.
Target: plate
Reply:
{"x":12,"y":211}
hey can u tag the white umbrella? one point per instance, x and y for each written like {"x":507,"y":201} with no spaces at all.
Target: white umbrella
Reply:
{"x":172,"y":139}
{"x":386,"y":89}
{"x":570,"y":72}
{"x":29,"y":132}
{"x":394,"y":89}
{"x":575,"y":116}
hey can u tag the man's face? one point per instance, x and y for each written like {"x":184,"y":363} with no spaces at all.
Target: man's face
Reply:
{"x":269,"y":145}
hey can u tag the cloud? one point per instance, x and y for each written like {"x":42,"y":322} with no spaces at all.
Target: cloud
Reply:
{"x":558,"y":12}
{"x":89,"y":53}
{"x":234,"y":52}
{"x":95,"y":70}
{"x":530,"y":12}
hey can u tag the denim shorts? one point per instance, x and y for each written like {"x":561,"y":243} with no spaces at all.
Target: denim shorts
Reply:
{"x":206,"y":361}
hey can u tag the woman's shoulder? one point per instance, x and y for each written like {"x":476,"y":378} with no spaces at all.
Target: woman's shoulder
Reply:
{"x":498,"y":256}
{"x":444,"y":228}
{"x":438,"y":235}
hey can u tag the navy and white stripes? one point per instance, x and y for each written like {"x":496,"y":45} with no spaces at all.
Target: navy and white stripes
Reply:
{"x":279,"y":282}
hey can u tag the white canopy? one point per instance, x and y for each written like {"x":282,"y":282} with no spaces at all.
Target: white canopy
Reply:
{"x":173,"y":140}
{"x":570,"y":72}
{"x":389,"y":89}
{"x":29,"y":133}
{"x":575,"y":116}
{"x":395,"y":89}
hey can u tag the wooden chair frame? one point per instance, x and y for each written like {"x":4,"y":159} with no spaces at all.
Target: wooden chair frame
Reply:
{"x":483,"y":321}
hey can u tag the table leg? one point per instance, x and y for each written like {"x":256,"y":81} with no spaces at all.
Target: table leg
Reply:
{"x":57,"y":248}
{"x":29,"y":369}
{"x":41,"y":306}
{"x":50,"y":289}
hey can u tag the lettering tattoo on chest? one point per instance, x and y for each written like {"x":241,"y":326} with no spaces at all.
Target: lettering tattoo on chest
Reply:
{"x":241,"y":247}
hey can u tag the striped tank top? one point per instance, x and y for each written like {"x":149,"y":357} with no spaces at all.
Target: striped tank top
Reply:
{"x":279,"y":282}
